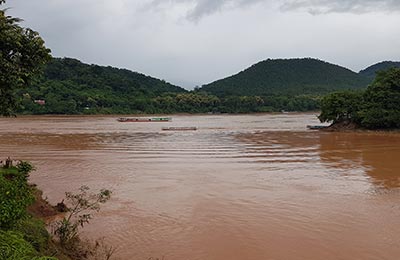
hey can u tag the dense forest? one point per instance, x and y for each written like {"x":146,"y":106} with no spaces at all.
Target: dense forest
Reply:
{"x":69,"y":86}
{"x":377,"y":107}
{"x":288,"y":77}
{"x":371,"y":71}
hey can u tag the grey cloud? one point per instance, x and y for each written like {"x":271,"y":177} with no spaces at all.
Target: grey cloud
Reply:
{"x":342,"y":6}
{"x":201,"y":8}
{"x":207,"y":7}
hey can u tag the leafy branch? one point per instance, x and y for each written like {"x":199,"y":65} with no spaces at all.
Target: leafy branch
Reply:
{"x":79,"y":213}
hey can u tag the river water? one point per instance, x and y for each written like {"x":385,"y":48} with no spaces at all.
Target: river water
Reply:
{"x":240,"y":187}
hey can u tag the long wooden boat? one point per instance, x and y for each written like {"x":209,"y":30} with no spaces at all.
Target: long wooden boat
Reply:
{"x":183,"y":128}
{"x":316,"y":127}
{"x":144,"y":119}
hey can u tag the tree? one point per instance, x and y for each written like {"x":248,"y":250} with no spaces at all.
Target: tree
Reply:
{"x":376,"y":108}
{"x":340,"y":106}
{"x":382,"y":101}
{"x":22,"y":55}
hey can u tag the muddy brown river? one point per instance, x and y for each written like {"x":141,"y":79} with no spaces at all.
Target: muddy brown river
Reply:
{"x":241,"y":187}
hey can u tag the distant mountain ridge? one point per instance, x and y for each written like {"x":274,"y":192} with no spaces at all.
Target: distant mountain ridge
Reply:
{"x":95,"y":76}
{"x":69,"y":86}
{"x":288,"y":76}
{"x":371,"y":71}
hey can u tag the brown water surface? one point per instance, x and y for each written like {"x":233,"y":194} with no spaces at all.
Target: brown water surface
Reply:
{"x":241,"y":187}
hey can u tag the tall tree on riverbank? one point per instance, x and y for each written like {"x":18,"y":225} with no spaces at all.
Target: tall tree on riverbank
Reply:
{"x":382,"y":101}
{"x":376,"y":108}
{"x":22,"y":55}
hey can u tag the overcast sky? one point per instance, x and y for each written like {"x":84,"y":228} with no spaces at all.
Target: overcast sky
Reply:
{"x":193,"y":42}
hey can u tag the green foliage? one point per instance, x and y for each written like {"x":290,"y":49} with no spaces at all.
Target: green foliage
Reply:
{"x":34,"y":232}
{"x":340,"y":106}
{"x":15,"y":196}
{"x":371,"y":71}
{"x":376,"y":108}
{"x":80,"y":206}
{"x":24,"y":168}
{"x":382,"y":101}
{"x":22,"y":54}
{"x":71,"y":87}
{"x":14,"y":247}
{"x":290,"y":77}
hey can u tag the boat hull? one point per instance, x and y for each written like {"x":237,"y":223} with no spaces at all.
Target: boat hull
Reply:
{"x":179,"y":128}
{"x":142,"y":119}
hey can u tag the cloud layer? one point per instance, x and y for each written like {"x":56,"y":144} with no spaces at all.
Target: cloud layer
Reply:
{"x":200,"y":8}
{"x":343,"y":6}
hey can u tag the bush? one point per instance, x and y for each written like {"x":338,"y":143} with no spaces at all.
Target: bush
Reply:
{"x":24,"y":168}
{"x":34,"y":231}
{"x":81,"y":204}
{"x":15,"y":196}
{"x":14,"y":247}
{"x":340,"y":106}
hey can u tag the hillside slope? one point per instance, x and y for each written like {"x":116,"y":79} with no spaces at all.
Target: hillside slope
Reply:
{"x":371,"y":71}
{"x":288,"y":77}
{"x":69,"y":86}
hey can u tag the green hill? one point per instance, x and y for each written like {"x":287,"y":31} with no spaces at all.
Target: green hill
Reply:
{"x":371,"y":71}
{"x":69,"y":86}
{"x":287,"y":77}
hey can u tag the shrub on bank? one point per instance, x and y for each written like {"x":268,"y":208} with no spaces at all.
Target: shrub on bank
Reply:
{"x":21,"y":236}
{"x":15,"y":196}
{"x":13,"y":247}
{"x":34,"y":231}
{"x":24,"y":236}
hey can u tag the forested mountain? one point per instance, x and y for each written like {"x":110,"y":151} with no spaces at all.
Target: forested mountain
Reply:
{"x":287,"y":77}
{"x":371,"y":71}
{"x":69,"y":86}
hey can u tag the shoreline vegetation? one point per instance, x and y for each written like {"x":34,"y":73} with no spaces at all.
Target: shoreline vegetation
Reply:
{"x":376,"y":108}
{"x":32,"y":228}
{"x":351,"y":127}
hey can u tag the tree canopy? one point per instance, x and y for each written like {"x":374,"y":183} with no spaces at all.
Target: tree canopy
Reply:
{"x":22,"y":55}
{"x":288,"y":77}
{"x":378,"y":107}
{"x":372,"y":70}
{"x":69,"y":86}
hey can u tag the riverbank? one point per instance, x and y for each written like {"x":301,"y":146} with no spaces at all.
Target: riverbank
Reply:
{"x":348,"y":126}
{"x":27,"y":221}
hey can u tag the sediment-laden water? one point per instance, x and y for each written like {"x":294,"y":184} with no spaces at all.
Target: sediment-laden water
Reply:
{"x":240,"y":187}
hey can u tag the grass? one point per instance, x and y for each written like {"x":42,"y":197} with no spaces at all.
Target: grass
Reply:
{"x":12,"y":170}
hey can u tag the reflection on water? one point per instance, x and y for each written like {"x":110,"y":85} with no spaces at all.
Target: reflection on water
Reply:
{"x":377,"y":153}
{"x":241,"y":187}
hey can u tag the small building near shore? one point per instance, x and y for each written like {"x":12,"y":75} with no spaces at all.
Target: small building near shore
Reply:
{"x":41,"y":102}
